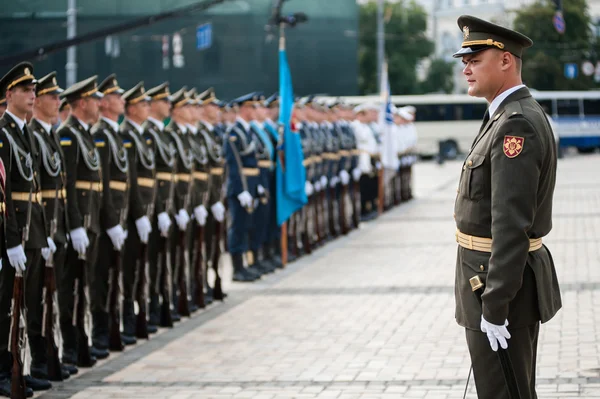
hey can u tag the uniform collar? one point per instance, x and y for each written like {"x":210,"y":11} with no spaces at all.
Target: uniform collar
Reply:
{"x":192,"y":128}
{"x":20,"y":122}
{"x":137,"y":127}
{"x":114,"y":125}
{"x":85,"y":126}
{"x":245,"y":124}
{"x":47,"y":127}
{"x":157,"y":123}
{"x":501,"y":97}
{"x":209,"y":125}
{"x":181,"y":127}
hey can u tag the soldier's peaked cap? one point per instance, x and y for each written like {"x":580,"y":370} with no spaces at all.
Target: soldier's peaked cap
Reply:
{"x":480,"y":35}
{"x":47,"y":85}
{"x":20,"y":74}
{"x":160,"y":92}
{"x":136,"y":94}
{"x":272,"y":101}
{"x":251,"y":98}
{"x":180,"y":98}
{"x":84,"y":89}
{"x":110,"y":85}
{"x":208,"y":96}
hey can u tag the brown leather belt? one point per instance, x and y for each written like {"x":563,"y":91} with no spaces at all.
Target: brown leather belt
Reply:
{"x":483,"y":244}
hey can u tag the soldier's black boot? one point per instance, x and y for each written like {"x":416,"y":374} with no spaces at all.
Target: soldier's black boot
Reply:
{"x":239,"y":272}
{"x":257,"y":263}
{"x":153,"y":314}
{"x":39,"y":362}
{"x":274,"y":250}
{"x":266,"y":259}
{"x":128,"y":335}
{"x":5,"y":386}
{"x":100,"y":330}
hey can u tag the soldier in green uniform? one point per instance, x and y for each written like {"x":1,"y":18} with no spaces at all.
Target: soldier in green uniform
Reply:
{"x":113,"y":212}
{"x":84,"y":192}
{"x":503,"y":211}
{"x":45,"y":113}
{"x":24,"y":213}
{"x":142,"y":188}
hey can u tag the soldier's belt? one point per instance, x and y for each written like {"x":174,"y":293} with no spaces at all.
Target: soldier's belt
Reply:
{"x":165,"y":176}
{"x":200,"y":176}
{"x":483,"y":244}
{"x":88,"y":185}
{"x":344,"y":153}
{"x":216,"y":171}
{"x":51,"y":194}
{"x":355,"y":152}
{"x":250,"y":171}
{"x":145,"y":182}
{"x":186,"y":177}
{"x":117,"y":185}
{"x":331,"y":157}
{"x":308,"y":161}
{"x":265,"y":164}
{"x":17,"y":196}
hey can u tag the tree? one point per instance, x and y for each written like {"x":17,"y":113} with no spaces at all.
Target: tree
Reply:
{"x":543,"y":64}
{"x":439,"y":78}
{"x":405,"y":44}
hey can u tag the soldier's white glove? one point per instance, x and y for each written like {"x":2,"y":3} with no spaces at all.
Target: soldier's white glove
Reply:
{"x":317,"y":186}
{"x":164,"y":223}
{"x":218,"y":211}
{"x":378,"y":165}
{"x":200,"y":213}
{"x":17,"y":258}
{"x":245,"y":199}
{"x":260,"y":189}
{"x":117,"y":236}
{"x":308,"y":189}
{"x":334,"y":181}
{"x":182,"y":218}
{"x":495,"y":334}
{"x":344,"y":177}
{"x":50,"y":249}
{"x":144,"y":227}
{"x":323,"y":182}
{"x":80,"y":240}
{"x":356,"y":174}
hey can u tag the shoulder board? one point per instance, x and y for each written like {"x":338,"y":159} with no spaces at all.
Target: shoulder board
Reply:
{"x":513,"y":109}
{"x":99,"y":143}
{"x":65,"y":141}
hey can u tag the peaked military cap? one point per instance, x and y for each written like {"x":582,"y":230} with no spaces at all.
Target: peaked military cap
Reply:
{"x":192,"y":95}
{"x":63,"y":104}
{"x":110,"y":85}
{"x":160,"y":92}
{"x":253,"y":98}
{"x":20,"y":74}
{"x":180,"y":98}
{"x":47,"y":85}
{"x":479,"y":35}
{"x":272,"y":101}
{"x":85,"y":88}
{"x":208,"y":97}
{"x":136,"y":94}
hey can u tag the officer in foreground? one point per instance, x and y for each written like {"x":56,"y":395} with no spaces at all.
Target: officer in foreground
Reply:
{"x":503,"y":210}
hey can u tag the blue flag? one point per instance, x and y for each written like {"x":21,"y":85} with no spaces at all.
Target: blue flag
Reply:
{"x":291,"y":176}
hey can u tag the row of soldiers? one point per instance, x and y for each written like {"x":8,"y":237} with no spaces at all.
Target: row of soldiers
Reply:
{"x":101,"y":216}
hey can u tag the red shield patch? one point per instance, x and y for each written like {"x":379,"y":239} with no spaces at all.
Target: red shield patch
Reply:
{"x":513,"y":146}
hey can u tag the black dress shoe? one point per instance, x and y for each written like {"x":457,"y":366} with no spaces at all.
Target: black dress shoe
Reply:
{"x":5,"y":388}
{"x":99,"y":353}
{"x":41,"y":372}
{"x":128,"y":339}
{"x":152,"y":329}
{"x":37,"y":384}
{"x":70,"y":368}
{"x":208,"y":299}
{"x":175,"y":316}
{"x":192,"y":306}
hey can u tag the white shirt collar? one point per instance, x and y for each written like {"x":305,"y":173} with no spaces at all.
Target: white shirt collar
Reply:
{"x":181,"y":127}
{"x":208,"y":125}
{"x":137,"y":127}
{"x":113,"y":124}
{"x":47,"y":127}
{"x":192,"y":128}
{"x":157,"y":123}
{"x":20,"y":122}
{"x":245,"y":124}
{"x":85,"y":126}
{"x":501,"y":97}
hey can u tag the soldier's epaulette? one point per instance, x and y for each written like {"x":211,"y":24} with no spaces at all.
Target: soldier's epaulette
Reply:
{"x":99,"y":143}
{"x":513,"y":109}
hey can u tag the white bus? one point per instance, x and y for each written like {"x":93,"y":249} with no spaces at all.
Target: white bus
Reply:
{"x":457,"y":118}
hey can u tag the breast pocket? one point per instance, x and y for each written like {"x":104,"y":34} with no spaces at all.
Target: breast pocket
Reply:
{"x":473,"y":180}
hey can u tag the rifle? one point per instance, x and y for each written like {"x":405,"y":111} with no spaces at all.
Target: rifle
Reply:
{"x":216,"y":256}
{"x":18,"y":327}
{"x":164,"y":263}
{"x":182,"y":299}
{"x":306,"y":236}
{"x":114,"y":341}
{"x":356,"y":204}
{"x":54,"y":368}
{"x":343,"y":221}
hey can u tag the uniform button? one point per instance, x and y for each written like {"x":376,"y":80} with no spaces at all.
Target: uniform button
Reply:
{"x":464,"y":168}
{"x":470,"y":163}
{"x":482,"y":267}
{"x":457,"y":191}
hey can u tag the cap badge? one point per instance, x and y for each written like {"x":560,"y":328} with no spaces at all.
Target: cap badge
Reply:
{"x":26,"y":71}
{"x":54,"y":81}
{"x":465,"y":32}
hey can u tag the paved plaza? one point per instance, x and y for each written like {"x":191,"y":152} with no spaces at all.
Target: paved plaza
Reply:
{"x":371,"y":315}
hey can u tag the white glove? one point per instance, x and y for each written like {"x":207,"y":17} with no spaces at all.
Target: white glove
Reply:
{"x":79,"y":239}
{"x":17,"y":258}
{"x":308,"y":189}
{"x":317,"y":186}
{"x":378,"y":165}
{"x":495,"y":334}
{"x":144,"y":227}
{"x":218,"y":211}
{"x":260,"y":189}
{"x":200,"y":213}
{"x":0,"y":264}
{"x":117,"y":236}
{"x":323,"y":182}
{"x":50,"y":249}
{"x":344,"y":177}
{"x":245,"y":199}
{"x":356,"y":174}
{"x":334,"y":181}
{"x":164,"y":223}
{"x":182,"y":218}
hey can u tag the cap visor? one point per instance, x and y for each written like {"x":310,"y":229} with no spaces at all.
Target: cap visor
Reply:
{"x":469,"y":50}
{"x":97,"y":95}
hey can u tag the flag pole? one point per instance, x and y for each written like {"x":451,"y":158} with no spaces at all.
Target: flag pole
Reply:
{"x":284,"y":236}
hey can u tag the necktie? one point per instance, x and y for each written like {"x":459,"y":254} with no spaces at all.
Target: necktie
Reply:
{"x":486,"y":119}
